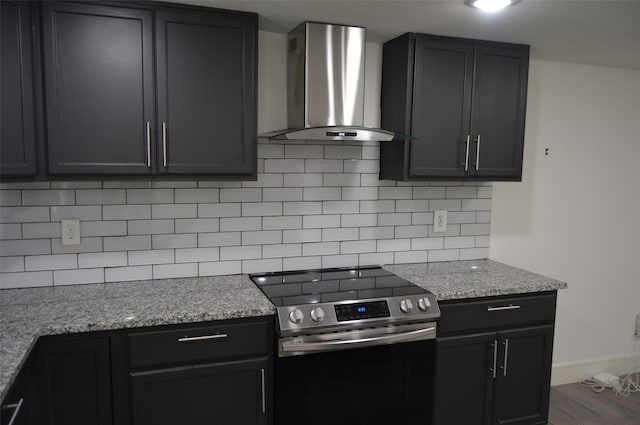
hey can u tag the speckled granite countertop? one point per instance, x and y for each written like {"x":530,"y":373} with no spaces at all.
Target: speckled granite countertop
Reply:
{"x":473,"y":279}
{"x":26,"y":314}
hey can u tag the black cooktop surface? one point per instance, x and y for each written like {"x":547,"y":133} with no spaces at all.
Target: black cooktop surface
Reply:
{"x":338,"y":284}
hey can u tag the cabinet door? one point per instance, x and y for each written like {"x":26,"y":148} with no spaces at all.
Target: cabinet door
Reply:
{"x":19,"y":403}
{"x":17,"y":123}
{"x":498,"y":112}
{"x":98,"y":64}
{"x":206,"y":94}
{"x":464,"y":379}
{"x":232,"y":393}
{"x":441,"y":107}
{"x":522,"y":391}
{"x":74,"y":382}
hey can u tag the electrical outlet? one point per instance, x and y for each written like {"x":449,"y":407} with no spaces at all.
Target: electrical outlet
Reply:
{"x":440,"y":221}
{"x":638,"y":325}
{"x":70,"y":232}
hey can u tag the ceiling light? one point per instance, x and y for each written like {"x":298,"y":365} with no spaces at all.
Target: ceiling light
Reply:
{"x":490,"y":5}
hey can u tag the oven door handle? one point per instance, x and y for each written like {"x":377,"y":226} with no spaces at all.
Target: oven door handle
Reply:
{"x":289,"y":347}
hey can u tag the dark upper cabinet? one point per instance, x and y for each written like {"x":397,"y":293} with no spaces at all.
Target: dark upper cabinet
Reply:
{"x":206,"y":91}
{"x":461,"y":101}
{"x":98,"y":63}
{"x":17,"y":113}
{"x":73,"y":381}
{"x":149,"y":89}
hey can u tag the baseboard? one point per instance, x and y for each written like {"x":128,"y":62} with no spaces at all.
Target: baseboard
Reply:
{"x":567,"y":373}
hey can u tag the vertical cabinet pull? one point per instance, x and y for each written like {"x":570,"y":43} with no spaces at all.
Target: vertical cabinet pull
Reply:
{"x":148,"y":144}
{"x":478,"y":154}
{"x":466,"y":157}
{"x":494,"y":344}
{"x":16,"y":410}
{"x":164,"y":144}
{"x":506,"y":356}
{"x":264,"y":395}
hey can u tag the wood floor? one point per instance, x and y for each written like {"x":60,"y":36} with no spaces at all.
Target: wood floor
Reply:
{"x":573,"y":404}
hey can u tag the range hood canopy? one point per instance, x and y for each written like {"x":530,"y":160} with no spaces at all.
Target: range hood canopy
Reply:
{"x":325,"y":85}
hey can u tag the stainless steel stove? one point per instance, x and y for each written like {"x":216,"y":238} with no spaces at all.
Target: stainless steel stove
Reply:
{"x":352,"y":307}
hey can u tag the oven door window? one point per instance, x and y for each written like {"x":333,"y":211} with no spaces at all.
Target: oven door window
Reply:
{"x":390,"y":384}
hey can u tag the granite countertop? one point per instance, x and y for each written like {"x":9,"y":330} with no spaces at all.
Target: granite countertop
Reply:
{"x":474,"y":279}
{"x":26,"y":314}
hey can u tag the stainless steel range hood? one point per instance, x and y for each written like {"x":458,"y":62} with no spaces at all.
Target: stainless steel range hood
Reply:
{"x":325,"y":85}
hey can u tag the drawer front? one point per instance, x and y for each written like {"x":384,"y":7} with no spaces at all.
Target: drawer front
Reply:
{"x":496,"y":313}
{"x":199,"y":344}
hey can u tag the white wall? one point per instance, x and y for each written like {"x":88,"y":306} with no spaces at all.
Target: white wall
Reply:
{"x":576,"y":214}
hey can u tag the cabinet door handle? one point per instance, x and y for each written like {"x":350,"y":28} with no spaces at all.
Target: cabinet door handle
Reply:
{"x":201,"y":338}
{"x":16,"y":406}
{"x":478,"y":154}
{"x":502,"y":308}
{"x":506,"y":356}
{"x":494,"y":344}
{"x":466,"y":157}
{"x":264,"y":395}
{"x":148,"y":145}
{"x":164,"y":144}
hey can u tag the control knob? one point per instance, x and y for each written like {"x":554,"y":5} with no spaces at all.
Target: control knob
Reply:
{"x":317,"y":314}
{"x":296,"y":316}
{"x":406,"y":306}
{"x":424,"y":304}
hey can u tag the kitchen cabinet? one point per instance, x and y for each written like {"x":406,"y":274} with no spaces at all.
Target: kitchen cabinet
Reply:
{"x":203,"y":374}
{"x":17,"y":109}
{"x":18,"y":404}
{"x":495,"y":354}
{"x":149,"y":90}
{"x":461,"y":101}
{"x":73,"y":380}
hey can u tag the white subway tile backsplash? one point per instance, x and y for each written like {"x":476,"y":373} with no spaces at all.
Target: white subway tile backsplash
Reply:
{"x":89,"y":244}
{"x":126,"y":243}
{"x":174,"y":211}
{"x":101,"y":197}
{"x":318,"y":205}
{"x":197,"y":225}
{"x":11,"y":231}
{"x":186,"y":240}
{"x":219,"y":268}
{"x":11,"y":264}
{"x":24,"y":214}
{"x":119,"y":274}
{"x":26,"y":279}
{"x":198,"y":255}
{"x":219,"y":239}
{"x":157,"y":256}
{"x":149,"y":196}
{"x":197,"y":196}
{"x":150,"y":227}
{"x":76,"y":277}
{"x":169,"y":271}
{"x":102,"y":259}
{"x":25,"y":247}
{"x":126,"y":212}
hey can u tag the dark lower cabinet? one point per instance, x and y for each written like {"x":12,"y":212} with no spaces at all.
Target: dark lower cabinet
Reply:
{"x":73,"y":381}
{"x":17,"y":113}
{"x":501,"y":376}
{"x":18,"y":407}
{"x":230,"y":393}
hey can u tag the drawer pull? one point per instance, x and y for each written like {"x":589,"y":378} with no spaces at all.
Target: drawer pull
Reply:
{"x":16,"y":406}
{"x":506,"y":307}
{"x":494,"y":344}
{"x":201,"y":338}
{"x":264,"y":393}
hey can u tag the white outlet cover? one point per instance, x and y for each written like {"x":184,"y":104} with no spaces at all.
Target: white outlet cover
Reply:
{"x":440,"y":221}
{"x":70,"y":229}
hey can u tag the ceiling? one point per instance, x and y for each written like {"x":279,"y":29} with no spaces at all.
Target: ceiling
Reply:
{"x":603,"y":32}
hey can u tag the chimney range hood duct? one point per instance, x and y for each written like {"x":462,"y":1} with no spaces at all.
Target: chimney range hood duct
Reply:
{"x":325,"y":85}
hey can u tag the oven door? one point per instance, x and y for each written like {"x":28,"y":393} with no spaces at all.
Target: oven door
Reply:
{"x":372,"y":385}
